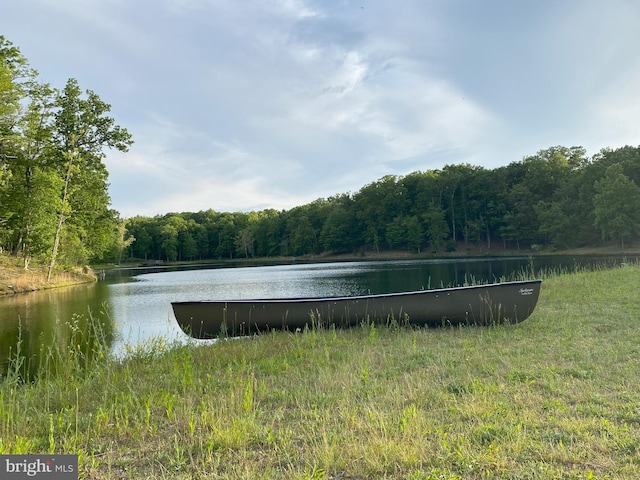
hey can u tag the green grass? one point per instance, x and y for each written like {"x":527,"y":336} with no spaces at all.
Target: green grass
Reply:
{"x":556,"y":396}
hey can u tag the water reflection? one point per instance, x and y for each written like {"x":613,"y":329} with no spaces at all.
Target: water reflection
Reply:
{"x":134,"y":305}
{"x":39,"y":329}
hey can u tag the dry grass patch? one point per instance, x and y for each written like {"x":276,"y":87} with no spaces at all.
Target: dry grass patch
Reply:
{"x":15,"y":279}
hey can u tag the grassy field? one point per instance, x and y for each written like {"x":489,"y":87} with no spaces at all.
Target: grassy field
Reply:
{"x":556,"y":396}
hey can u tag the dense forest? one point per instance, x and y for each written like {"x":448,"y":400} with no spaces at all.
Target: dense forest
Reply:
{"x":54,"y":201}
{"x":558,"y":198}
{"x":55,"y":207}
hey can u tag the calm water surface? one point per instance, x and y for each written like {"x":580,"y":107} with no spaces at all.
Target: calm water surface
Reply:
{"x":135,"y":304}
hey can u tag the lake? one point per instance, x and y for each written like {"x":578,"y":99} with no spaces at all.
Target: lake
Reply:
{"x":134,"y":304}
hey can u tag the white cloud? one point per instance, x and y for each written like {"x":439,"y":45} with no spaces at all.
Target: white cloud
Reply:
{"x":234,"y":105}
{"x":218,"y":193}
{"x":615,"y":115}
{"x":297,"y":8}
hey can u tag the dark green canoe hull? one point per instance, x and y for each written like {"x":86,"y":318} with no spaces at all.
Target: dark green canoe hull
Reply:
{"x":473,"y":305}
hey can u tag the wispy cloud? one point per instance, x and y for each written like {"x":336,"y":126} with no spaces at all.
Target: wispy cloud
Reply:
{"x":239,"y":105}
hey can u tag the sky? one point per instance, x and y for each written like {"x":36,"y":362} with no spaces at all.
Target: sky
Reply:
{"x":244,"y":105}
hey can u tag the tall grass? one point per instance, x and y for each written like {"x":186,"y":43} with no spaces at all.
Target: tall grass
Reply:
{"x":73,"y":349}
{"x":553,"y":397}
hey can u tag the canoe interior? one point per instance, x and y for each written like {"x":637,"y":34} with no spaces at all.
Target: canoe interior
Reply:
{"x":508,"y":302}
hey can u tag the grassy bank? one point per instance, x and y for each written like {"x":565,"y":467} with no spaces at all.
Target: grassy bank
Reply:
{"x":556,"y":396}
{"x":15,"y":279}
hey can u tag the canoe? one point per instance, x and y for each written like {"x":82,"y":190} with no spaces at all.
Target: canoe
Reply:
{"x":507,"y":302}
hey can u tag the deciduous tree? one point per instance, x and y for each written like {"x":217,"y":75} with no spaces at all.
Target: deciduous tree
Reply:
{"x":82,"y":130}
{"x":617,"y":205}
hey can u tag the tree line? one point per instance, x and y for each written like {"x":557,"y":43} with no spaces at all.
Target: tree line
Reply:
{"x":558,"y":198}
{"x":54,"y":201}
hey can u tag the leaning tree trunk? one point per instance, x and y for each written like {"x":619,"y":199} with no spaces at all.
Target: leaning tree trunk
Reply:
{"x":488,"y":237}
{"x":56,"y":243}
{"x":61,"y":219}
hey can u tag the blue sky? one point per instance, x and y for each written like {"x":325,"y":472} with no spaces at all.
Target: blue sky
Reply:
{"x":240,"y":105}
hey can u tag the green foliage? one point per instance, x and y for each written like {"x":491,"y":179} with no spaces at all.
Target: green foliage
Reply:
{"x":81,"y":132}
{"x":546,"y":200}
{"x":436,"y":224}
{"x":617,"y":205}
{"x":52,"y":146}
{"x":35,"y":211}
{"x":245,"y":243}
{"x":405,"y":232}
{"x":338,"y":233}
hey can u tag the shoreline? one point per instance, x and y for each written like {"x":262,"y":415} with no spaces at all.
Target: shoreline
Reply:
{"x":15,"y":280}
{"x":634,"y":251}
